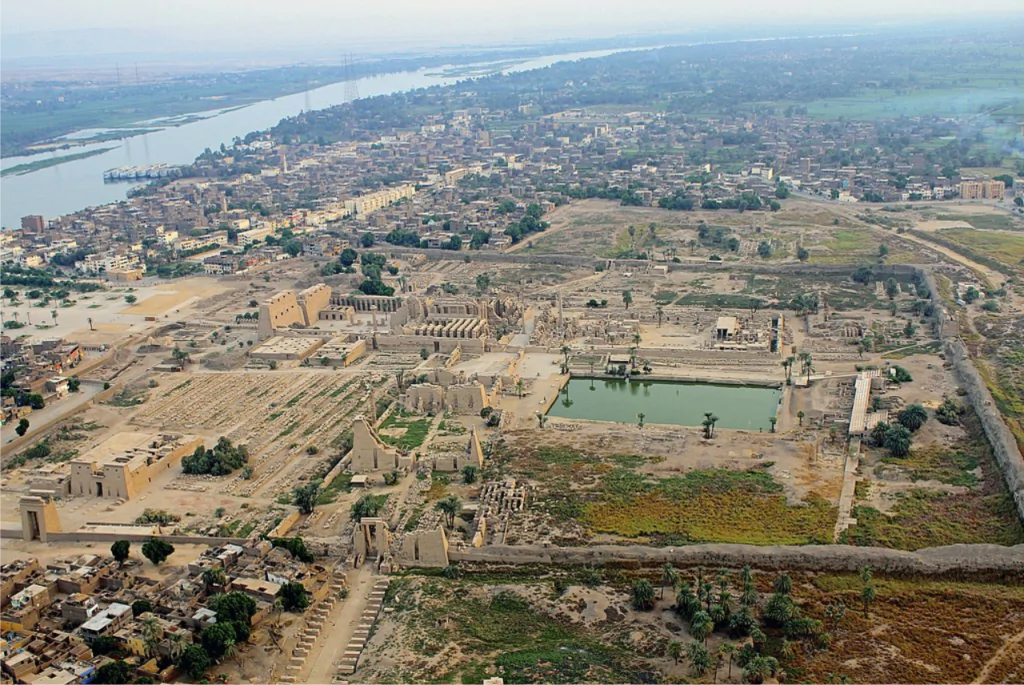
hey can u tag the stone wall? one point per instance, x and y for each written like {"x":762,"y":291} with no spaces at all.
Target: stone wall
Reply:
{"x":836,"y":558}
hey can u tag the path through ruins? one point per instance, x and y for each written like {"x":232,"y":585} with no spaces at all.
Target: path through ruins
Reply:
{"x":339,"y":627}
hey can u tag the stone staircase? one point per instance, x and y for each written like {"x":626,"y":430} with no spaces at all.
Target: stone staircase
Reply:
{"x":315,"y":620}
{"x":350,"y":660}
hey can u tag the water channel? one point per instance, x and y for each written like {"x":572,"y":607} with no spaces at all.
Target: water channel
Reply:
{"x":78,"y":184}
{"x":739,"y":407}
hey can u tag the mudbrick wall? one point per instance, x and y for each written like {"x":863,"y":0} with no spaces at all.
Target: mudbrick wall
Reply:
{"x":1004,"y":445}
{"x":954,"y":559}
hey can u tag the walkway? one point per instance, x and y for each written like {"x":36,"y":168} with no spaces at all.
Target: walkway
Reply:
{"x":341,"y":624}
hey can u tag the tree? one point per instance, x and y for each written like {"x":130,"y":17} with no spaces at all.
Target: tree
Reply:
{"x":627,"y":298}
{"x":773,"y":420}
{"x":701,"y":626}
{"x":700,"y":658}
{"x":800,"y":416}
{"x":348,"y":257}
{"x":878,"y":433}
{"x":640,"y":420}
{"x":236,"y":607}
{"x":113,"y":673}
{"x":119,"y":550}
{"x":764,"y":250}
{"x":760,"y":668}
{"x":151,"y":633}
{"x":366,"y":506}
{"x":469,"y":474}
{"x":669,"y":577}
{"x":483,"y":283}
{"x":450,"y":506}
{"x":892,"y":288}
{"x":218,"y":638}
{"x":214,"y":577}
{"x":913,"y":417}
{"x":867,"y":596}
{"x":36,"y":401}
{"x":157,"y":550}
{"x":141,"y":606}
{"x":131,"y":299}
{"x":674,"y":650}
{"x":367,"y":240}
{"x":643,"y":595}
{"x":22,"y":427}
{"x":194,"y":661}
{"x":803,"y":255}
{"x":783,"y":583}
{"x":294,"y":596}
{"x":898,"y":440}
{"x":304,"y":497}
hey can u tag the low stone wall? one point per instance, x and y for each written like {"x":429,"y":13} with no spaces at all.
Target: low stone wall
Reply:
{"x":837,"y":558}
{"x":97,"y":536}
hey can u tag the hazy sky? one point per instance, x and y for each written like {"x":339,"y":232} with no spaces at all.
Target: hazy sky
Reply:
{"x":246,"y":25}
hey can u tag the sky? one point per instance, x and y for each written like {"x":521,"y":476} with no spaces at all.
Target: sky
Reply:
{"x":47,"y":27}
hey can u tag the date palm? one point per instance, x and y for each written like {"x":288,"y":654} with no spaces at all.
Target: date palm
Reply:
{"x":669,"y":574}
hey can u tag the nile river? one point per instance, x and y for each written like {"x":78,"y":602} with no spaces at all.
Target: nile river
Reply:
{"x":75,"y":185}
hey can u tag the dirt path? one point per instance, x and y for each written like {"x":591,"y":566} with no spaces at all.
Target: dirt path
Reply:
{"x":982,"y":676}
{"x":338,"y":629}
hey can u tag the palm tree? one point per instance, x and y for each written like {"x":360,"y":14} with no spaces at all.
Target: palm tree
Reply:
{"x":675,"y":650}
{"x":175,"y":645}
{"x":701,"y":626}
{"x":636,"y":339}
{"x":728,"y":651}
{"x":660,"y":311}
{"x":773,"y":420}
{"x":669,"y":577}
{"x":640,"y":420}
{"x":90,"y":324}
{"x":706,"y":424}
{"x":643,"y":595}
{"x":748,"y":597}
{"x":783,"y":583}
{"x":787,"y":364}
{"x":449,"y":506}
{"x":700,"y":659}
{"x":913,"y":417}
{"x":230,"y":648}
{"x":746,"y":575}
{"x":693,"y":246}
{"x":519,"y":387}
{"x":565,"y":358}
{"x":806,"y":363}
{"x":800,"y":415}
{"x":897,"y":440}
{"x":627,"y":298}
{"x":714,"y":422}
{"x":867,"y":596}
{"x":760,"y":668}
{"x":151,"y":633}
{"x":53,"y":313}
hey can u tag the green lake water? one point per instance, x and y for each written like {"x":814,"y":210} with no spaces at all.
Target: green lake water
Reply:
{"x":682,"y":404}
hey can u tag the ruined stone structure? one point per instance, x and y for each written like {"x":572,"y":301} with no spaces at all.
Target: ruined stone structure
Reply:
{"x":429,"y":398}
{"x":425,"y":548}
{"x":370,"y":454}
{"x":371,"y":540}
{"x":39,"y":517}
{"x":286,"y":309}
{"x":471,"y":455}
{"x":122,"y":466}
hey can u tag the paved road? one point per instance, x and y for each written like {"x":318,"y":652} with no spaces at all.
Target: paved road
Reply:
{"x":338,"y":629}
{"x":52,"y":411}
